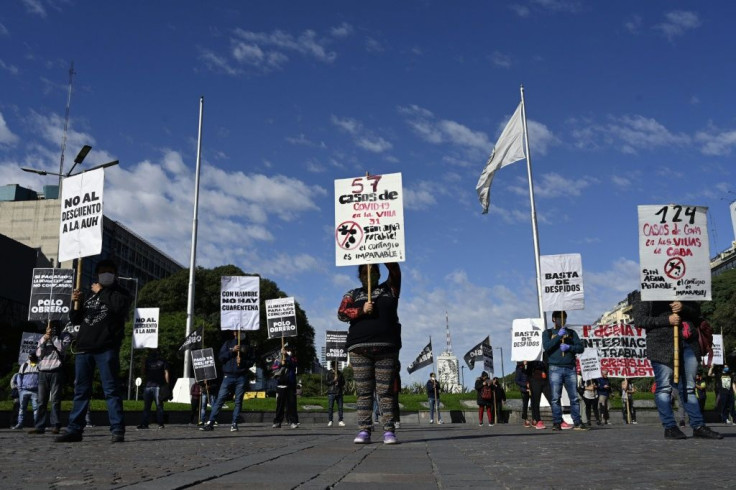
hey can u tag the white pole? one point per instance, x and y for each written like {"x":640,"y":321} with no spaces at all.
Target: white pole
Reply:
{"x":533,"y":210}
{"x":193,"y":257}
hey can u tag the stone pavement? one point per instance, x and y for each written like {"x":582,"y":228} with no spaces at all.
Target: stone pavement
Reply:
{"x":316,"y":457}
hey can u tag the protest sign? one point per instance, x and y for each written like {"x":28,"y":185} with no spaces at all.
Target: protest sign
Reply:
{"x":718,"y":350}
{"x":239,"y":303}
{"x":369,"y":220}
{"x":28,"y":344}
{"x":562,"y":282}
{"x":145,"y":328}
{"x":335,"y":341}
{"x":281,"y":318}
{"x":51,"y":294}
{"x":674,"y":253}
{"x":80,"y":230}
{"x":622,"y":348}
{"x":203,"y":361}
{"x":526,"y":339}
{"x":590,"y":364}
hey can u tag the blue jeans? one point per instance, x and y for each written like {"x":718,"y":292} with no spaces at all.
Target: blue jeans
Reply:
{"x":108,"y":363}
{"x":432,"y":406}
{"x":204,"y":399}
{"x":559,"y":376}
{"x":331,"y":399}
{"x":25,"y":397}
{"x":229,"y":383}
{"x":663,"y":376}
{"x":150,"y":395}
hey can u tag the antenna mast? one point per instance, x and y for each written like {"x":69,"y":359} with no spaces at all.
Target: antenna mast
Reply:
{"x":66,"y":123}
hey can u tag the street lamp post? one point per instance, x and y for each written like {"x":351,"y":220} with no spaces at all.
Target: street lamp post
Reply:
{"x":135,"y":306}
{"x":462,"y":377}
{"x":503,"y":373}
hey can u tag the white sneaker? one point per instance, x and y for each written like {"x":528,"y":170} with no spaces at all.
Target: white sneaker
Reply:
{"x":294,"y":426}
{"x":431,"y":421}
{"x":329,"y":424}
{"x":440,"y":421}
{"x":397,"y":425}
{"x":341,"y":423}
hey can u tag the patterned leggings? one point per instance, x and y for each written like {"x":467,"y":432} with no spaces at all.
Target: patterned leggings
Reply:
{"x":374,"y":369}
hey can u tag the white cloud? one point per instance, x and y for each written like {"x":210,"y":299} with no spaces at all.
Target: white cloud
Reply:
{"x":521,"y":10}
{"x":306,"y":44}
{"x":433,"y":130}
{"x":421,"y":195}
{"x":34,"y":7}
{"x":4,"y":30}
{"x":716,"y":142}
{"x":285,"y":265}
{"x":500,"y":59}
{"x":343,"y":30}
{"x":629,"y":133}
{"x":677,"y":23}
{"x":12,"y":69}
{"x":569,"y":6}
{"x":373,"y":45}
{"x":633,"y":24}
{"x":362,"y":137}
{"x":6,"y":135}
{"x":217,"y":63}
{"x":555,"y":185}
{"x":620,"y":181}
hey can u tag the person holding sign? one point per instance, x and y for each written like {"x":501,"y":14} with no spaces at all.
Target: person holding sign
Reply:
{"x":51,"y":351}
{"x":374,"y":340}
{"x":658,"y":318}
{"x":235,"y":378}
{"x":335,"y":389}
{"x":561,"y":346}
{"x":101,"y":320}
{"x":433,"y":395}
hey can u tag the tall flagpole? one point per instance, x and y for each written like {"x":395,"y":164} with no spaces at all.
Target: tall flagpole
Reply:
{"x":535,"y":234}
{"x":193,"y":257}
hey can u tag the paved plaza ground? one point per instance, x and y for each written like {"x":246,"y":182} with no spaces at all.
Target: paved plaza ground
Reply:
{"x":314,"y":456}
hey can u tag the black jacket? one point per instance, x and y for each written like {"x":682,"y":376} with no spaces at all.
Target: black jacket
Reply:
{"x":101,"y":319}
{"x":653,"y":316}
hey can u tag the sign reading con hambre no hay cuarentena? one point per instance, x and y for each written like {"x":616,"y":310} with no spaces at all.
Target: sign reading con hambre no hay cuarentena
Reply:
{"x":80,"y":230}
{"x":240,"y":303}
{"x":562,"y":282}
{"x":674,"y":253}
{"x":369,"y":220}
{"x":281,"y":317}
{"x":51,"y":294}
{"x":145,"y":328}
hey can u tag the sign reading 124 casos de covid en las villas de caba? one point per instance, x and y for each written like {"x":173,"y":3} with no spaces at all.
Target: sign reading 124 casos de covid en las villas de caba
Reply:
{"x":369,"y":220}
{"x":80,"y":229}
{"x":674,"y":253}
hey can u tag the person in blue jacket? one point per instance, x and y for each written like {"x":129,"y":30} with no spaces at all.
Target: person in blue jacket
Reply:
{"x":236,"y":357}
{"x":561,"y":345}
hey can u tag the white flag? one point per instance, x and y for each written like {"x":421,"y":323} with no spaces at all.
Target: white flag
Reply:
{"x":509,"y":149}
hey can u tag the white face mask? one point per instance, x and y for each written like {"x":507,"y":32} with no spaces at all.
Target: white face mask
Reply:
{"x":106,"y":278}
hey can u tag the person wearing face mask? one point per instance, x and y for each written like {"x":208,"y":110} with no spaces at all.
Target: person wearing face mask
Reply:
{"x":101,"y":320}
{"x":374,"y":340}
{"x":561,"y":345}
{"x":286,"y":389}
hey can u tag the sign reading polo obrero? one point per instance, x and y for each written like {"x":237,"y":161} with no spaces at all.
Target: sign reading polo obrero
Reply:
{"x":369,"y":220}
{"x":281,"y":317}
{"x":51,"y":293}
{"x":562,"y":282}
{"x":674,"y":253}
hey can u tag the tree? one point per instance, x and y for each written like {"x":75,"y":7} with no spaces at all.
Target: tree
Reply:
{"x":171,"y":294}
{"x":721,"y":312}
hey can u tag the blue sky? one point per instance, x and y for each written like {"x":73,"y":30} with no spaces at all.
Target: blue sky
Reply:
{"x":628,"y":103}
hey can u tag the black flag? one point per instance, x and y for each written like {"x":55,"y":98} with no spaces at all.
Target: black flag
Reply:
{"x":424,"y":358}
{"x":193,"y":340}
{"x":482,"y":351}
